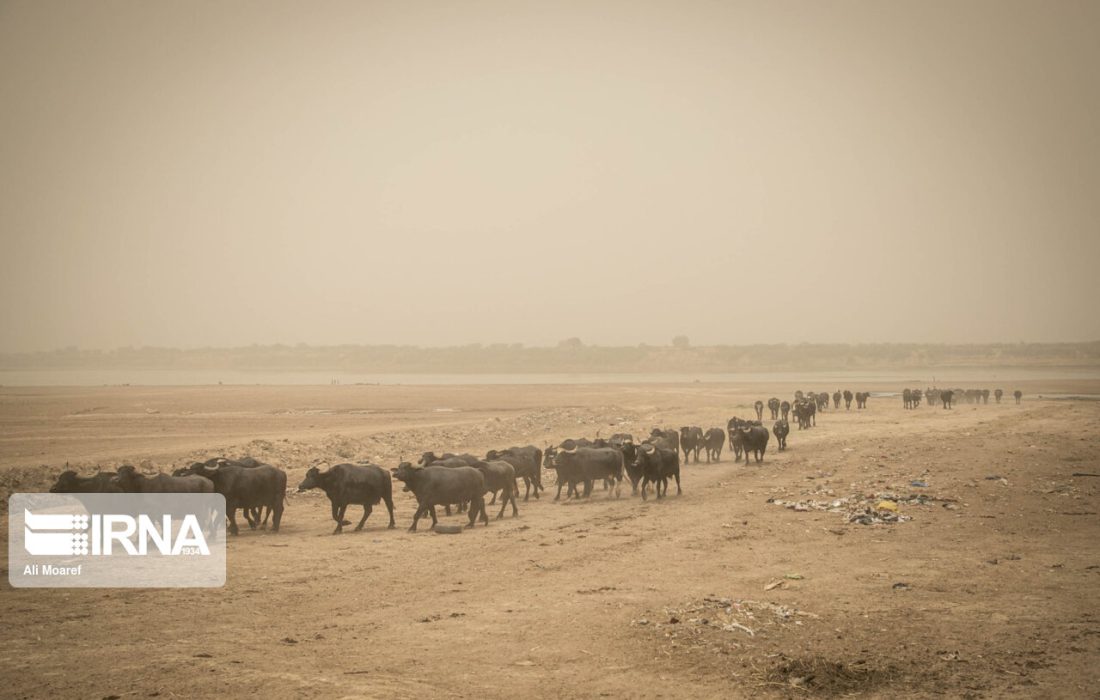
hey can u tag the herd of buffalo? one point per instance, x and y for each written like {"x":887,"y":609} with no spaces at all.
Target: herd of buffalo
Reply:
{"x":259,"y":490}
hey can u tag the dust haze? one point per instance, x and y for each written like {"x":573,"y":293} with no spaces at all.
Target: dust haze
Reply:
{"x":218,"y":174}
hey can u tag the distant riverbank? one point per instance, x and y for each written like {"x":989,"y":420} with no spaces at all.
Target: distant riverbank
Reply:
{"x":195,"y":377}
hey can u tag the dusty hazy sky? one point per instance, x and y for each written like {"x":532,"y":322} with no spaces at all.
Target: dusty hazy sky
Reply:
{"x":223,"y":173}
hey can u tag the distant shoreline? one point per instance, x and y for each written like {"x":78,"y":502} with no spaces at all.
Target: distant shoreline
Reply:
{"x":917,"y":376}
{"x":570,"y":356}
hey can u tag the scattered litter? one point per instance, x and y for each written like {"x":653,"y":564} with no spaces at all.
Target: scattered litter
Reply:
{"x":901,"y":586}
{"x":731,"y":626}
{"x":794,"y":577}
{"x":919,"y":484}
{"x":774,"y":584}
{"x":882,"y":517}
{"x":689,"y":624}
{"x":447,"y":529}
{"x":866,"y":509}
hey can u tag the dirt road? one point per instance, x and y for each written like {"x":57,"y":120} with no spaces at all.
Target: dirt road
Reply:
{"x":987,"y":588}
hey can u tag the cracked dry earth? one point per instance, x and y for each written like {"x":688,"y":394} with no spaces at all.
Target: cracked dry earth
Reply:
{"x":988,"y":587}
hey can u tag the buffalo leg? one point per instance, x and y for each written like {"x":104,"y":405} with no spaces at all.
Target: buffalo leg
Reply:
{"x":277,"y":515}
{"x":477,"y":506}
{"x":232,"y":511}
{"x":367,"y":508}
{"x":389,"y":506}
{"x":338,"y":516}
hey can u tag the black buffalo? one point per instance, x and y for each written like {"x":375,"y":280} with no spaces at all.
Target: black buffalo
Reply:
{"x":131,"y":482}
{"x":252,"y":515}
{"x":805,"y":413}
{"x":352,"y":484}
{"x":658,"y":464}
{"x":671,"y":438}
{"x":437,"y":486}
{"x":501,"y":476}
{"x":624,"y":442}
{"x":755,"y":440}
{"x":103,"y":482}
{"x":585,"y":465}
{"x":691,"y":441}
{"x":714,"y":440}
{"x":448,"y":458}
{"x":527,"y":461}
{"x":737,"y":446}
{"x":247,"y":488}
{"x":781,"y":430}
{"x":773,"y":406}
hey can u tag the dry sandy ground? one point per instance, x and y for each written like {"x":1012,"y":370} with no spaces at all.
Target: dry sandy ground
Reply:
{"x":992,"y":589}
